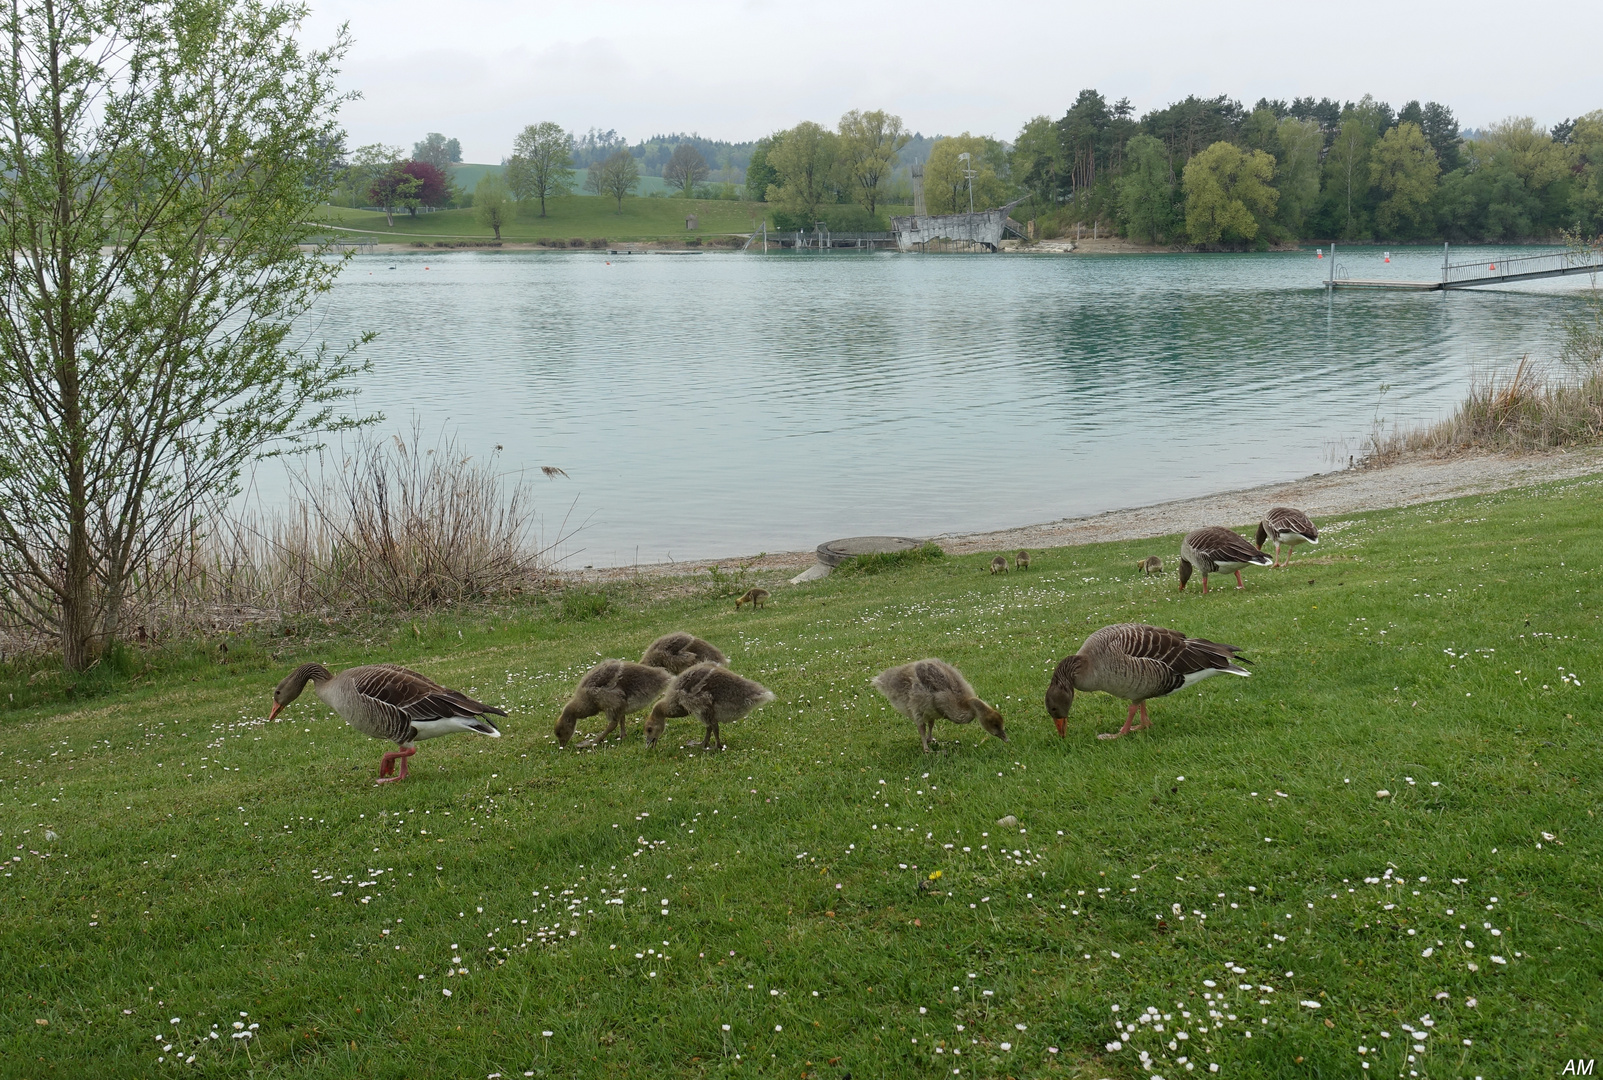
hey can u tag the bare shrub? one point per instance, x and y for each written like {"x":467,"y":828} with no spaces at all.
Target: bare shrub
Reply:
{"x":393,"y":523}
{"x":1530,"y":408}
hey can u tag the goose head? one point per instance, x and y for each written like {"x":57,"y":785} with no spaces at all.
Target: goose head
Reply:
{"x":290,"y":689}
{"x":1060,"y":693}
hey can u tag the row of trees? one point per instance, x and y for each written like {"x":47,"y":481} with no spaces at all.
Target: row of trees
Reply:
{"x":1207,"y":171}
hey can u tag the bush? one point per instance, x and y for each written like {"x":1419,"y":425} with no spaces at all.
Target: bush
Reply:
{"x":876,"y":562}
{"x":598,"y":242}
{"x":577,"y":242}
{"x":839,"y":217}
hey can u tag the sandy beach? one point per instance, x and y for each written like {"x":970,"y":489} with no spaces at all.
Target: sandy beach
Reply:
{"x":1405,"y":483}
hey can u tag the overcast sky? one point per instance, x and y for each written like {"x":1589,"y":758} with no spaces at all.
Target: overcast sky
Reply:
{"x":479,"y":70}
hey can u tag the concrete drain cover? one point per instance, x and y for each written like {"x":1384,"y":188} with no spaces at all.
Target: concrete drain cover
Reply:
{"x":834,"y":552}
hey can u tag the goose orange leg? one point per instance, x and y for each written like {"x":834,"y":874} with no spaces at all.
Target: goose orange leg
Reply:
{"x":1125,"y":730}
{"x":388,"y":763}
{"x":1239,"y":583}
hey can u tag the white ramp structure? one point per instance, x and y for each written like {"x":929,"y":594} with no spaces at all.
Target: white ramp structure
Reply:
{"x":983,"y":227}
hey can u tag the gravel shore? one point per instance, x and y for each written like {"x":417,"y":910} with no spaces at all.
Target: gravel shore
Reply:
{"x":1405,"y":483}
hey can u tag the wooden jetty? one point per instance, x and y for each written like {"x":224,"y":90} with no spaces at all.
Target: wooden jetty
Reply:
{"x":1469,"y":275}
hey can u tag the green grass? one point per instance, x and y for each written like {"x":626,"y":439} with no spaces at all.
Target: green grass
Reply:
{"x":570,"y":216}
{"x":206,"y":864}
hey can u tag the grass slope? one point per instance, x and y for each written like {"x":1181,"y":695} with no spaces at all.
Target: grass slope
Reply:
{"x":771,"y":911}
{"x":570,"y":216}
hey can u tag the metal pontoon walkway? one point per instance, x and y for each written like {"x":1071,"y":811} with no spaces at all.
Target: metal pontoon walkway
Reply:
{"x":1489,"y":272}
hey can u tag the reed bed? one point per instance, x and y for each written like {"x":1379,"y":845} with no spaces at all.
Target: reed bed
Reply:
{"x":394,"y":524}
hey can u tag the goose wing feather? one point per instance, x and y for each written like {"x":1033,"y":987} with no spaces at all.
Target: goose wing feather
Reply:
{"x":413,"y":697}
{"x":1220,"y":545}
{"x":1286,"y":519}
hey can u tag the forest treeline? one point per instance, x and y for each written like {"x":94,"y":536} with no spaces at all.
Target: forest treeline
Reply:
{"x":1206,"y":171}
{"x":1203,"y":171}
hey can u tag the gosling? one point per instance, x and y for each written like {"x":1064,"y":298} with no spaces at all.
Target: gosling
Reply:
{"x":754,"y":597}
{"x":613,"y":687}
{"x":680,"y":651}
{"x":927,"y":690}
{"x":999,"y":565}
{"x":712,"y":694}
{"x":1022,"y":560}
{"x":1150,"y":565}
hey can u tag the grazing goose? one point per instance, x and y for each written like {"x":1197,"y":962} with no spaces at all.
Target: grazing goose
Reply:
{"x":1022,"y":560}
{"x":1150,"y":565}
{"x":1285,"y":525}
{"x":614,"y":687}
{"x":680,"y":651}
{"x":1136,"y":662}
{"x":926,"y":690}
{"x":1212,"y":549}
{"x":390,"y":702}
{"x":712,"y":694}
{"x":999,"y":565}
{"x":754,"y":597}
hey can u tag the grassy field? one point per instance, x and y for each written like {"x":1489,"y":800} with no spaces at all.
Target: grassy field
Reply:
{"x":570,"y":216}
{"x":191,"y":888}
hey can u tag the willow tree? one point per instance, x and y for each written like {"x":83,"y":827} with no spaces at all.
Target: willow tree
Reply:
{"x":159,"y":162}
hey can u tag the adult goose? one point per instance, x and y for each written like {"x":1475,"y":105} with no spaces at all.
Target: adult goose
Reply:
{"x":1136,"y":662}
{"x":681,"y":651}
{"x":1213,"y":549}
{"x":613,"y":687}
{"x":712,"y":694}
{"x":390,"y":702}
{"x":1288,"y":526}
{"x":926,"y":690}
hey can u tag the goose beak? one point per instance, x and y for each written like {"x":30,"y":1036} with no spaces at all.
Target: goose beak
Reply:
{"x":277,"y":708}
{"x":1062,"y":723}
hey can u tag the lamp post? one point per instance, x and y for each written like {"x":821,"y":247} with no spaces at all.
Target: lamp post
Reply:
{"x":969,"y":174}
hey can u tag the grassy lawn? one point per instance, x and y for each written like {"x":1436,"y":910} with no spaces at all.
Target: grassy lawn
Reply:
{"x":567,"y":217}
{"x":771,"y":910}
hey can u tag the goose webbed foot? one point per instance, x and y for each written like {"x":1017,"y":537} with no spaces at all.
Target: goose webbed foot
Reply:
{"x":390,"y":761}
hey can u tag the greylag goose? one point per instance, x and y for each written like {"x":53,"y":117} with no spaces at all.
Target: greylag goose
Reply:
{"x":926,"y":690}
{"x":999,"y":565}
{"x":754,"y":597}
{"x":390,"y":702}
{"x":1150,"y":565}
{"x":614,"y":687}
{"x":680,"y":651}
{"x":712,"y":694}
{"x":1136,"y":662}
{"x":1212,"y":549}
{"x":1022,"y":560}
{"x":1287,"y":526}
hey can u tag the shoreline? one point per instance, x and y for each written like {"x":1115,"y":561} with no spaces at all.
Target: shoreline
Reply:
{"x":1409,"y":482}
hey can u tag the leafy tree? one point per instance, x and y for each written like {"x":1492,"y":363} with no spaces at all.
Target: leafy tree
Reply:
{"x":366,"y":165}
{"x":804,"y":162}
{"x":1187,"y":126}
{"x":1038,"y":160}
{"x":395,"y":189}
{"x":1404,"y":167}
{"x":1228,"y":195}
{"x":946,"y":189}
{"x":614,"y":176}
{"x":432,"y":187}
{"x":759,"y":174}
{"x":161,"y":169}
{"x":869,"y":143}
{"x":1325,"y":112}
{"x":541,"y":166}
{"x":492,"y":202}
{"x":1441,"y":128}
{"x":1092,"y":135}
{"x":685,"y":169}
{"x":1261,"y":131}
{"x":1297,"y":171}
{"x":1146,"y":189}
{"x":1347,"y":174}
{"x":1587,"y":137}
{"x":438,"y":151}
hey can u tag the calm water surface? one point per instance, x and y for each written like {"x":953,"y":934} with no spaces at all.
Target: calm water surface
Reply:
{"x":717,"y":404}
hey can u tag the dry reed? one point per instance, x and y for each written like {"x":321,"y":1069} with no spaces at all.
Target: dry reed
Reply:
{"x":388,"y":524}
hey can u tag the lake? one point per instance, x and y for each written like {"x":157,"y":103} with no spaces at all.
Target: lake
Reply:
{"x":720,"y":404}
